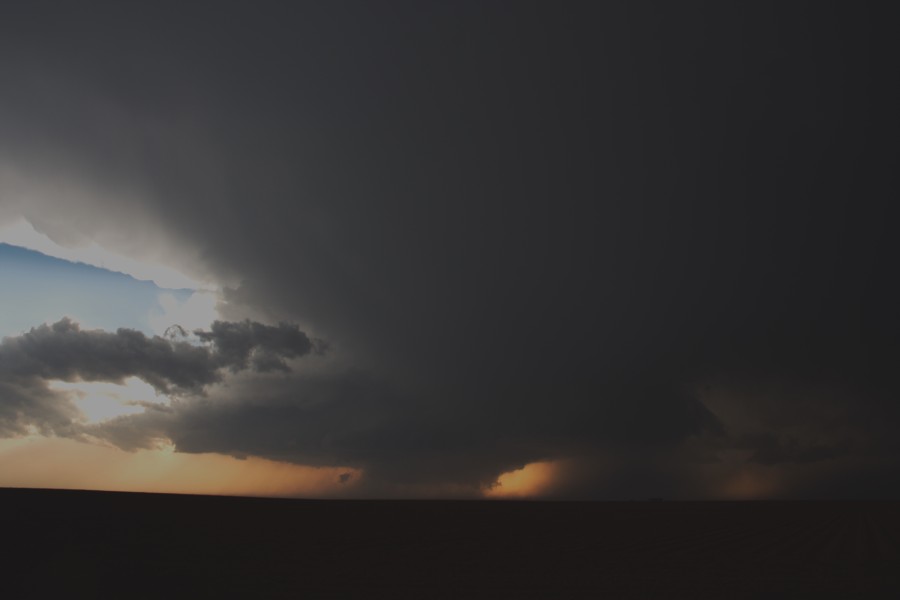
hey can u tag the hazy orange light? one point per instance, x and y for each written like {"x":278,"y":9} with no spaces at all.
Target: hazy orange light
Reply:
{"x":42,"y":462}
{"x":99,"y":401}
{"x":531,"y":480}
{"x":750,"y":484}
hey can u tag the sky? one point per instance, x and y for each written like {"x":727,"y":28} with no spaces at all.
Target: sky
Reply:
{"x":462,"y":249}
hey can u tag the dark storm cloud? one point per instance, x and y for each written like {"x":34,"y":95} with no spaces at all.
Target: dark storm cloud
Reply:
{"x":31,"y":404}
{"x":263,"y":346}
{"x":64,"y":351}
{"x":769,"y":450}
{"x":544,"y":228}
{"x":339,"y":419}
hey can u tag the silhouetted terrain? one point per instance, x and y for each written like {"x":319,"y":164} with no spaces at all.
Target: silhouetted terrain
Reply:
{"x":120,"y":545}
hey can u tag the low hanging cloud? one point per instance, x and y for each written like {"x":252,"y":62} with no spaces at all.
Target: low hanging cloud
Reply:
{"x":225,"y":399}
{"x":65,"y":351}
{"x":176,"y":367}
{"x":231,"y":392}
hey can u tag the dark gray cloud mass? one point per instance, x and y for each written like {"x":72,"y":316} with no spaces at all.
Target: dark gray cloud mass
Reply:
{"x":653,"y":238}
{"x":64,"y":352}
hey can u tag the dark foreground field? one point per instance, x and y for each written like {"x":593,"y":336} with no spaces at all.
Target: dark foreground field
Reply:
{"x":115,"y":545}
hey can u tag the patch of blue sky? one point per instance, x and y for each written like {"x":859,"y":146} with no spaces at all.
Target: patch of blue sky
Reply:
{"x":36,"y":288}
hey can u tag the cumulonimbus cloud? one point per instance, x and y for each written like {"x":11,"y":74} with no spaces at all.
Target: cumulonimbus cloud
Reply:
{"x":544,"y":262}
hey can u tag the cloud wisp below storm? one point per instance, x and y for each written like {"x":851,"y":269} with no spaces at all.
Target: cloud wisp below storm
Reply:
{"x":63,"y":351}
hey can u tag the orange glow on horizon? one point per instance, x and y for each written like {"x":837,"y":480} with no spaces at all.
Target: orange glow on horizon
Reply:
{"x":750,"y":484}
{"x":40,"y":462}
{"x":534,"y":479}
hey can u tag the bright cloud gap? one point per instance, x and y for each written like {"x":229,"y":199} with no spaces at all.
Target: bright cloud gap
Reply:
{"x":100,"y":401}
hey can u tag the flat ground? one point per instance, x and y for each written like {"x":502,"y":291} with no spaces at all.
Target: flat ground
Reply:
{"x":119,"y":545}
